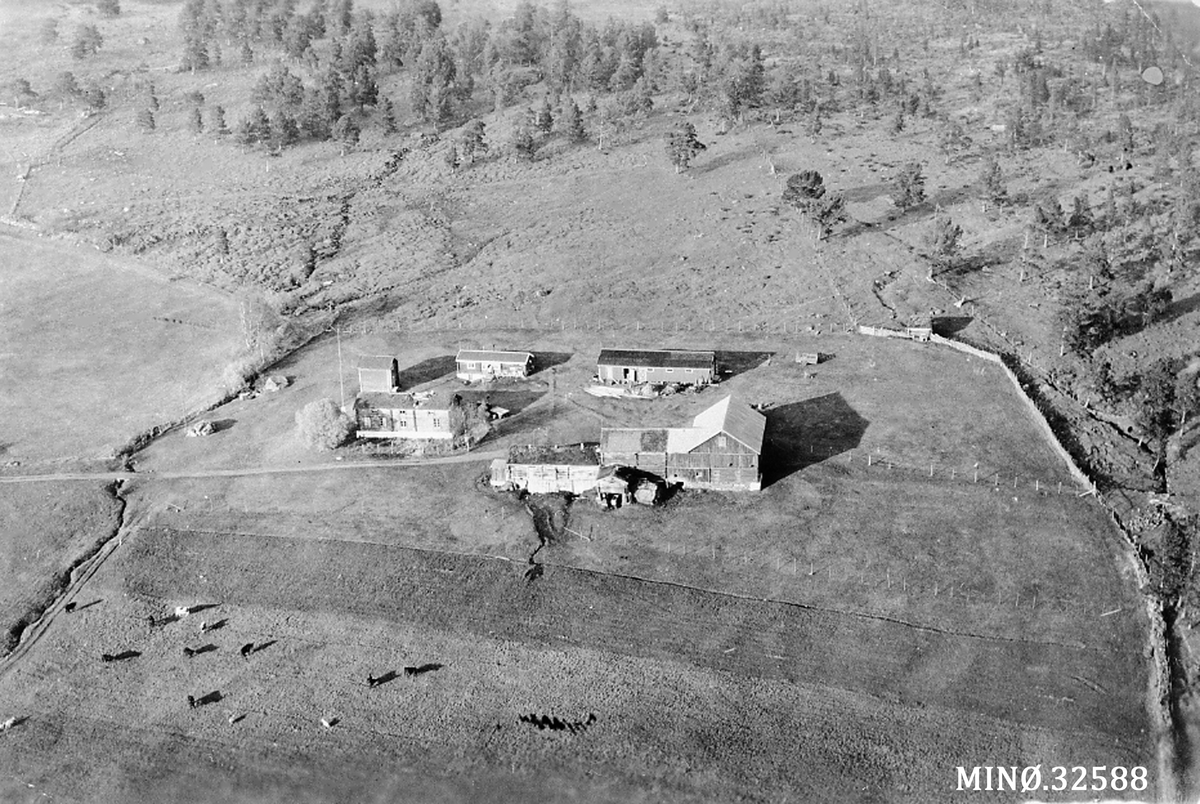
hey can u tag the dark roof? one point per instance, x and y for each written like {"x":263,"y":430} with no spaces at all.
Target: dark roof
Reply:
{"x":570,"y":455}
{"x":664,"y":358}
{"x":377,"y":362}
{"x":493,"y":356}
{"x":640,"y":439}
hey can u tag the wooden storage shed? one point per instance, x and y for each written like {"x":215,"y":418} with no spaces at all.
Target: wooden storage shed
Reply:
{"x":635,"y":366}
{"x":479,"y":364}
{"x":378,"y":374}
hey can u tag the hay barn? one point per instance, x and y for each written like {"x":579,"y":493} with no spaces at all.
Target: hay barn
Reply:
{"x":545,"y":470}
{"x":378,"y":374}
{"x":720,"y":450}
{"x":633,"y":366}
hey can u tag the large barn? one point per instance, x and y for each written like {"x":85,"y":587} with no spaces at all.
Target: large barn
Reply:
{"x":478,"y":364}
{"x":720,"y":450}
{"x":635,"y":366}
{"x":545,"y":470}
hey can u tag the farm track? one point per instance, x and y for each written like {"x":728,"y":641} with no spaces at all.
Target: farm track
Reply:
{"x":469,"y":457}
{"x":629,"y":616}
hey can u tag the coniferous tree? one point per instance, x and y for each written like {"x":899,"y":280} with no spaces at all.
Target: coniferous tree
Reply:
{"x":472,"y":141}
{"x":254,"y":128}
{"x":196,"y":120}
{"x":909,"y":186}
{"x":87,"y":41}
{"x":570,"y":122}
{"x":346,"y":131}
{"x":523,"y":143}
{"x":389,"y":117}
{"x":683,"y":145}
{"x":991,"y":182}
{"x":216,"y":121}
{"x":543,"y":117}
{"x":145,"y":120}
{"x":941,"y":242}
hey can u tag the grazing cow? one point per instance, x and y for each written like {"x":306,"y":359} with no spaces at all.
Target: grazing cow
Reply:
{"x":189,"y":652}
{"x":372,"y":682}
{"x":70,"y":607}
{"x":246,"y":650}
{"x":192,"y":702}
{"x":107,"y":657}
{"x":329,"y":722}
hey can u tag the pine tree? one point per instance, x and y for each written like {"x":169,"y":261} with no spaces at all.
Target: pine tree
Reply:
{"x":941,"y":242}
{"x":570,"y":122}
{"x":523,"y":143}
{"x":991,"y":182}
{"x":812,"y":124}
{"x":389,"y":117}
{"x":543,"y":118}
{"x":346,"y":132}
{"x":254,"y":127}
{"x":826,"y":213}
{"x":196,"y":120}
{"x":802,"y":190}
{"x":216,"y":121}
{"x":284,"y":131}
{"x":246,"y":53}
{"x":683,"y":145}
{"x":145,"y":120}
{"x":897,"y":122}
{"x":472,"y":141}
{"x":87,"y":41}
{"x":909,"y":186}
{"x":452,"y":160}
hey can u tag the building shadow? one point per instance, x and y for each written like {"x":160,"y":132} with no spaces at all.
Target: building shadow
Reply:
{"x":548,"y":360}
{"x":731,"y":364}
{"x":947,"y":325}
{"x":512,"y":400}
{"x":800,"y":434}
{"x":427,"y":371}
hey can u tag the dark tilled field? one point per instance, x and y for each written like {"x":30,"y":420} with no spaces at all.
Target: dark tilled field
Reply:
{"x":697,"y":696}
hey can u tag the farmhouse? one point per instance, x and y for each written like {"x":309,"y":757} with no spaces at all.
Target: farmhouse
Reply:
{"x":631,"y":366}
{"x":475,"y":364}
{"x":720,"y":450}
{"x":378,"y":374}
{"x":432,"y":414}
{"x":544,"y":470}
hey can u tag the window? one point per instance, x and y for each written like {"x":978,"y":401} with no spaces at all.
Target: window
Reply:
{"x":437,"y":421}
{"x":721,"y":441}
{"x":670,"y":371}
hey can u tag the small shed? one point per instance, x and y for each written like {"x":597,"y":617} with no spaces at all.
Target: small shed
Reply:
{"x":479,"y":364}
{"x":637,"y":366}
{"x":378,"y":374}
{"x":572,"y":468}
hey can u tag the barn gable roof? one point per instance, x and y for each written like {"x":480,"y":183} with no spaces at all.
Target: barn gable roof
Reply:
{"x":734,"y":418}
{"x":376,"y":362}
{"x":493,"y":356}
{"x":657,"y":358}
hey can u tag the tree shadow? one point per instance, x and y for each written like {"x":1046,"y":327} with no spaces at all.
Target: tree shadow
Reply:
{"x":547,"y":360}
{"x":800,"y":434}
{"x":426,"y":371}
{"x":1180,"y":308}
{"x":731,"y":364}
{"x":514,"y":401}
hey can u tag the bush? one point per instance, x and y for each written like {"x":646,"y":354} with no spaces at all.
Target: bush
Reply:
{"x":323,"y":425}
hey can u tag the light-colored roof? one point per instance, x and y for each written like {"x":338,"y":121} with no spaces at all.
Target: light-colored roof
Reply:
{"x":637,"y":439}
{"x":376,"y":362}
{"x":734,"y":418}
{"x":486,"y":356}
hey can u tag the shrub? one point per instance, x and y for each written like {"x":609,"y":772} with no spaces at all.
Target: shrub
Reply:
{"x":323,"y":425}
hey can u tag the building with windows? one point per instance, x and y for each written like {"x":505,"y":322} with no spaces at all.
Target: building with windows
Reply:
{"x":479,"y":364}
{"x":636,"y":366}
{"x":432,"y":414}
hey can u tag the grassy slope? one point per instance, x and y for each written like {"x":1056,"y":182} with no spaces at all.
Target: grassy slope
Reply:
{"x":44,"y":529}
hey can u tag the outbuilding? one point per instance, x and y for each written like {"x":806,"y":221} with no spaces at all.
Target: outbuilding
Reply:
{"x":478,"y":364}
{"x":378,"y":374}
{"x":636,"y":366}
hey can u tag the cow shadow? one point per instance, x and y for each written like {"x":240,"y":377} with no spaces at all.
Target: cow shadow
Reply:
{"x":428,"y":370}
{"x":731,"y":364}
{"x":799,"y":434}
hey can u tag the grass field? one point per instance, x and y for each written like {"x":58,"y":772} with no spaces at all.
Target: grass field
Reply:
{"x":717,"y":666}
{"x":44,"y":530}
{"x":93,"y":351}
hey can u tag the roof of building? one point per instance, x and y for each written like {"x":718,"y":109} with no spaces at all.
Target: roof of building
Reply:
{"x":633,"y":439}
{"x":664,"y":358}
{"x":378,"y":362}
{"x":422,"y":400}
{"x":569,"y":455}
{"x":735,"y":418}
{"x":493,"y":356}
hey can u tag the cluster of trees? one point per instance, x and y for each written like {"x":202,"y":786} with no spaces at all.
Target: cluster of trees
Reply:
{"x":806,"y":192}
